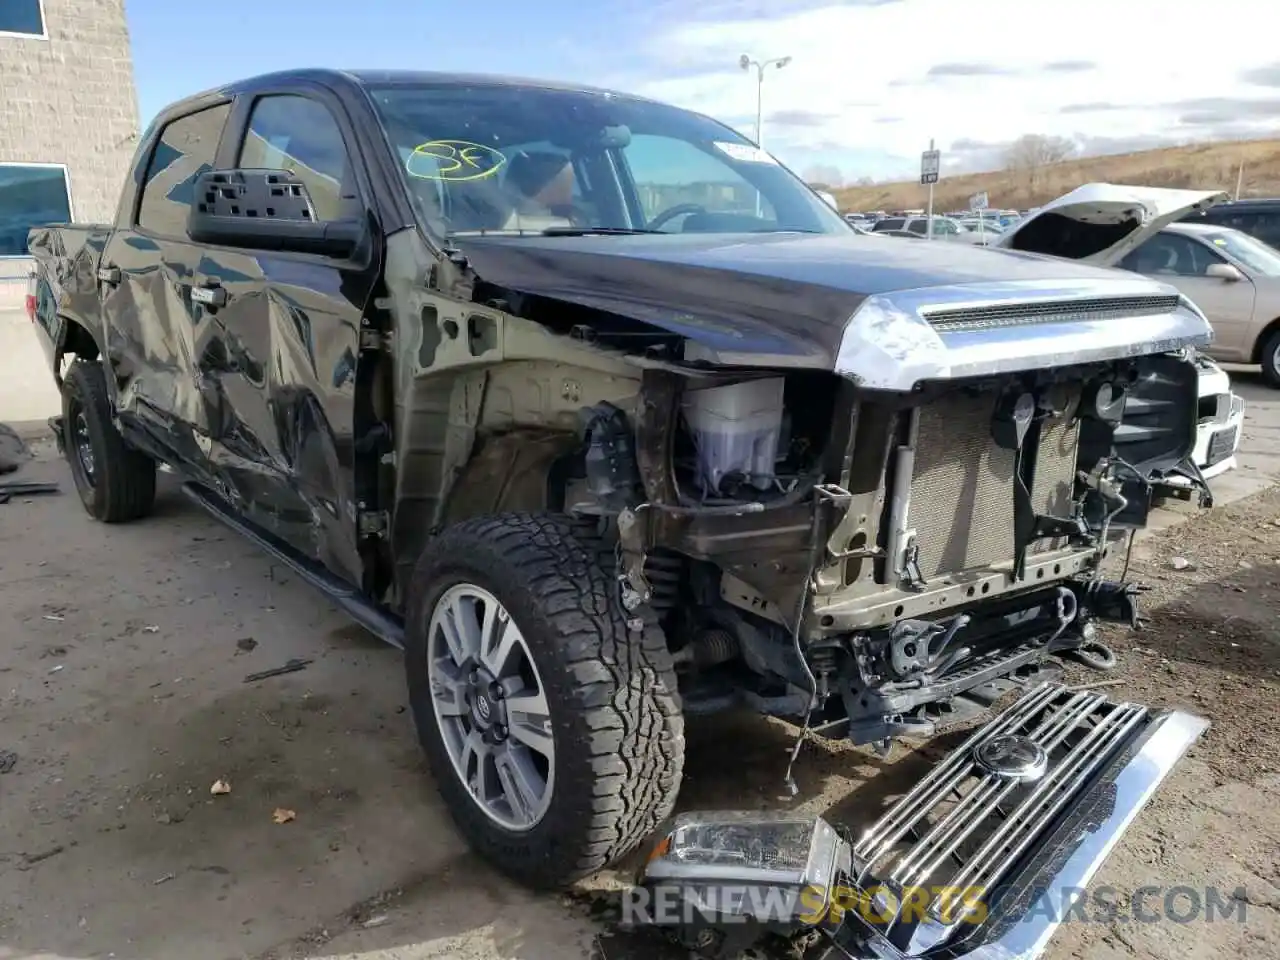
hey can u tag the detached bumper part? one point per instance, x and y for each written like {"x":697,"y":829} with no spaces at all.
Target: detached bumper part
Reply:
{"x":980,"y":858}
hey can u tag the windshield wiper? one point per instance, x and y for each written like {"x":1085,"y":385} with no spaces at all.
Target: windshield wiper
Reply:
{"x":592,"y":231}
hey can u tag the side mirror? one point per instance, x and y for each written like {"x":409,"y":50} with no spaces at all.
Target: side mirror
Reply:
{"x":266,"y":210}
{"x":1224,"y":271}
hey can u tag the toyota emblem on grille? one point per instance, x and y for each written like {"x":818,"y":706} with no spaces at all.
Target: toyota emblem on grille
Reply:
{"x":1013,"y":757}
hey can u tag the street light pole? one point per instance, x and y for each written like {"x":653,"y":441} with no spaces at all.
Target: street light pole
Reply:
{"x":759,"y":104}
{"x":746,"y":63}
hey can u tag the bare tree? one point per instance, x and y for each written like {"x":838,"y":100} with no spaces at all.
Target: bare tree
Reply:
{"x":864,"y":182}
{"x":1033,"y":151}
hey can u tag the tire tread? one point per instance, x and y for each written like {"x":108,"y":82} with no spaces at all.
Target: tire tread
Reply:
{"x":125,"y":488}
{"x":627,"y":725}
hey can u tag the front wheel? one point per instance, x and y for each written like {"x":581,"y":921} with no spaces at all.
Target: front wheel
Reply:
{"x":1271,"y":359}
{"x":116,"y":483}
{"x":551,"y":724}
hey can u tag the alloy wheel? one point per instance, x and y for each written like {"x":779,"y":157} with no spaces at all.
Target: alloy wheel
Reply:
{"x":491,"y":707}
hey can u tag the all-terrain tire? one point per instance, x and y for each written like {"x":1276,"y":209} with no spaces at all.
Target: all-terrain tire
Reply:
{"x":1271,"y":359}
{"x":611,"y":691}
{"x":122,"y":483}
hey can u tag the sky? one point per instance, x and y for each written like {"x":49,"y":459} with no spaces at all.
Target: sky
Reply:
{"x":869,"y":84}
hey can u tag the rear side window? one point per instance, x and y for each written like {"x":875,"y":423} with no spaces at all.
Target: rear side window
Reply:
{"x":1265,"y":226}
{"x":186,"y":149}
{"x":890,"y":223}
{"x":300,"y":135}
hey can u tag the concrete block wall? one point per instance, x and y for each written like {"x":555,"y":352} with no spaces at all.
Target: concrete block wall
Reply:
{"x":70,"y":98}
{"x":66,"y":98}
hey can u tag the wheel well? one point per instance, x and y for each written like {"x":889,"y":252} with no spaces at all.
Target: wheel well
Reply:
{"x":77,"y":340}
{"x":1263,"y":337}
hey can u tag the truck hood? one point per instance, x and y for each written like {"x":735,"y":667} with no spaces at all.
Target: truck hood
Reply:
{"x":887,"y":315}
{"x":1100,"y":223}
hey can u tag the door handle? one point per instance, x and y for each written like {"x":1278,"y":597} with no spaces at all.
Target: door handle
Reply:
{"x":209,"y":294}
{"x":109,"y":275}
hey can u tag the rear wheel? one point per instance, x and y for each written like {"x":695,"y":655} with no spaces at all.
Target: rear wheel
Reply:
{"x":552,"y":725}
{"x":116,"y":483}
{"x":1271,"y":359}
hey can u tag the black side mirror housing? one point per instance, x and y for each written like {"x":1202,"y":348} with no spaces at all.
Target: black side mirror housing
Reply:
{"x":266,"y":210}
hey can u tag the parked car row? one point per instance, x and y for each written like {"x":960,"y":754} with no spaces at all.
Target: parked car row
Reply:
{"x":944,"y":228}
{"x":996,"y":220}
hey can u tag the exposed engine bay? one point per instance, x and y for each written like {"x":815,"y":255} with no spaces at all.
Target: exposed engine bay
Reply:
{"x":932,"y":546}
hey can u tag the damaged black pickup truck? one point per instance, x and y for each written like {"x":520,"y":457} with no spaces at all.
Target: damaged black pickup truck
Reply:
{"x":609,"y":420}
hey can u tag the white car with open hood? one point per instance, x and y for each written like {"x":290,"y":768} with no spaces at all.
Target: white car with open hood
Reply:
{"x":1102,"y":223}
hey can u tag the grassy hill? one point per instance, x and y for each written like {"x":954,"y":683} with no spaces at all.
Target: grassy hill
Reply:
{"x":1206,"y":165}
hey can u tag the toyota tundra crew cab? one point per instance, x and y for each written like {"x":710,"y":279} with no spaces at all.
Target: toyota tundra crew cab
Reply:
{"x":609,"y":420}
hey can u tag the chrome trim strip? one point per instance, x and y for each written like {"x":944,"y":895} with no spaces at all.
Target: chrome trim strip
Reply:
{"x":889,"y":344}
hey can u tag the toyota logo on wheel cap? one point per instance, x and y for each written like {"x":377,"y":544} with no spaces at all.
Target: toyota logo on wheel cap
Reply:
{"x":1013,"y":757}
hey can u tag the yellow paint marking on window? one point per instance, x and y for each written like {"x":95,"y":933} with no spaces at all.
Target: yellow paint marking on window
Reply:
{"x":454,"y":161}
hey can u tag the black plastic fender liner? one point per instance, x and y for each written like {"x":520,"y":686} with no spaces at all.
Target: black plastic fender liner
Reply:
{"x":1157,"y":432}
{"x":382,"y":623}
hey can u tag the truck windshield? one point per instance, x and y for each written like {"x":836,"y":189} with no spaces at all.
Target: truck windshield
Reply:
{"x":503,"y":158}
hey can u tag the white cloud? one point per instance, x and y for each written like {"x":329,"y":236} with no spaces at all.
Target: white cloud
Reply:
{"x":871,"y":83}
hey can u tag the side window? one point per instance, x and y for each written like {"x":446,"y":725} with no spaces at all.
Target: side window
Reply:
{"x":890,"y":223}
{"x":917,"y":226}
{"x":1266,"y":227}
{"x":185,"y":150}
{"x":30,"y":194}
{"x":300,"y":135}
{"x":669,"y":172}
{"x":23,"y":18}
{"x":1167,"y":254}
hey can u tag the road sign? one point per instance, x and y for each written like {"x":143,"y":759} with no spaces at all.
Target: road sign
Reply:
{"x":978,"y":201}
{"x":930,"y":162}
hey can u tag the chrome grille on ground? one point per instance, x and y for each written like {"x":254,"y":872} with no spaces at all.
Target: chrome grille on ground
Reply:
{"x":960,"y":319}
{"x":962,"y":486}
{"x":966,"y":824}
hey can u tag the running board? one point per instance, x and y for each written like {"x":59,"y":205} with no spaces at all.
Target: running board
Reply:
{"x":383,"y":624}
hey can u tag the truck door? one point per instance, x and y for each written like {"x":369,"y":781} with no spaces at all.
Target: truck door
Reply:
{"x":284,"y":346}
{"x":145,"y":279}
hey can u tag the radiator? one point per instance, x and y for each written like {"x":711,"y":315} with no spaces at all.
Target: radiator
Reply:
{"x":962,"y":487}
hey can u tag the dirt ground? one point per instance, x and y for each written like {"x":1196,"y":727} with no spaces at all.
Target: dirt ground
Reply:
{"x":123,"y":653}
